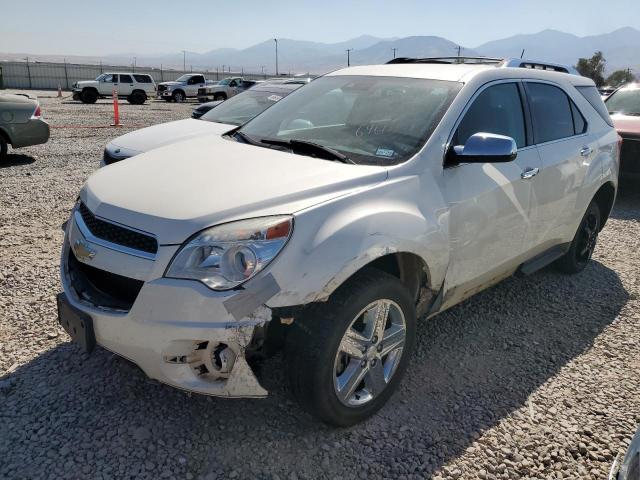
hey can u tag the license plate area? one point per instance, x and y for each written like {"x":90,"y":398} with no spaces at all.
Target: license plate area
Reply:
{"x":77,"y":324}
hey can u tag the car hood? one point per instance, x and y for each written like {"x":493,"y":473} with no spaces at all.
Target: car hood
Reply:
{"x":177,"y":190}
{"x":87,"y":82}
{"x":170,"y":84}
{"x":627,"y":124}
{"x":145,"y":139}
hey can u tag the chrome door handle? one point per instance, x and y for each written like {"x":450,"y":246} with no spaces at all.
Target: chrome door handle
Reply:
{"x":585,"y":151}
{"x":529,"y":173}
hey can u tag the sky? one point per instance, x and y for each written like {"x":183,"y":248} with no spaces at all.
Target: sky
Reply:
{"x":95,"y":28}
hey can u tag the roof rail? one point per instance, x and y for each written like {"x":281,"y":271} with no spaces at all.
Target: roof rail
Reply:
{"x":554,"y":67}
{"x":448,"y":60}
{"x":498,"y":62}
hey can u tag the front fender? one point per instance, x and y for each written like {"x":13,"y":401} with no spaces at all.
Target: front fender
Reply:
{"x":334,"y":240}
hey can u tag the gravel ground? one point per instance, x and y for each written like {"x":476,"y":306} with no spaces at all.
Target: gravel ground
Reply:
{"x":534,"y":378}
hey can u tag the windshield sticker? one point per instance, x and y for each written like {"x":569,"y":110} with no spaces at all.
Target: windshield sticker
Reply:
{"x":385,"y":152}
{"x":274,"y":98}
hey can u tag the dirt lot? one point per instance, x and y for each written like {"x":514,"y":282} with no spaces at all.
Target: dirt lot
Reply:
{"x":534,"y":378}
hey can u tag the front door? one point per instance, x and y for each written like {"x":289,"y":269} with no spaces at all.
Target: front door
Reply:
{"x":489,"y":203}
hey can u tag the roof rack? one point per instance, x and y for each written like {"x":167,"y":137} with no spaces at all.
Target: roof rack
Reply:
{"x":448,"y":60}
{"x":498,"y":62}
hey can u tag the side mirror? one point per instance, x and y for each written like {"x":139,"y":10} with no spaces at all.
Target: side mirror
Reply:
{"x":484,"y":148}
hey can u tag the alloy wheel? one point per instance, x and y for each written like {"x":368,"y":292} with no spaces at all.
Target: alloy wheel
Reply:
{"x":369,"y":353}
{"x":588,"y":238}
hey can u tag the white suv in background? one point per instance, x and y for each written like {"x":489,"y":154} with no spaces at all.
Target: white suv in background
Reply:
{"x":333,"y":221}
{"x":135,"y":87}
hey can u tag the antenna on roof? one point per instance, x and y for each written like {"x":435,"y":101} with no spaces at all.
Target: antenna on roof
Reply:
{"x":522,"y":54}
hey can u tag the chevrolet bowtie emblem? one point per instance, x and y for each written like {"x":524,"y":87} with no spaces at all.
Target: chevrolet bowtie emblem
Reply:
{"x":83,"y":251}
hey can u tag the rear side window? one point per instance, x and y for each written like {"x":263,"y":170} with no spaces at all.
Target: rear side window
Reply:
{"x":551,"y":111}
{"x":126,"y":79}
{"x":142,"y":78}
{"x":579,"y":123}
{"x":593,"y":97}
{"x":498,"y":109}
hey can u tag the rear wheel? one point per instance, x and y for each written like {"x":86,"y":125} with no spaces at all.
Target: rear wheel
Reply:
{"x":137,"y":98}
{"x":178,"y":96}
{"x":219,"y":96}
{"x":89,"y":96}
{"x":346,"y":356}
{"x":584,"y":242}
{"x":3,"y":149}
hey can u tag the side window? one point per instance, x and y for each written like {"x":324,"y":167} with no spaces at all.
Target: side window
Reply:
{"x":198,"y":79}
{"x":142,"y":78}
{"x":551,"y":112}
{"x":110,"y":78}
{"x":498,"y":109}
{"x":126,"y":79}
{"x":579,"y":123}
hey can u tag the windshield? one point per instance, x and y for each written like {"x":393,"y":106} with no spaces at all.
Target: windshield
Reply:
{"x":625,"y":101}
{"x":101,"y":76}
{"x":371,"y":120}
{"x":224,"y":81}
{"x":183,"y":78}
{"x":240,"y":109}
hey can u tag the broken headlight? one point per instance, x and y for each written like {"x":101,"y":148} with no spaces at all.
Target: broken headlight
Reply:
{"x":228,"y":255}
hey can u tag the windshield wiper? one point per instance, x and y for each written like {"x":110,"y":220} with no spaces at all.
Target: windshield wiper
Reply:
{"x":245,"y":138}
{"x":305,"y":144}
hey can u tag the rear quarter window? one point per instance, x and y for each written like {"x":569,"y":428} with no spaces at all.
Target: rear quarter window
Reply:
{"x":593,"y":97}
{"x":142,"y":78}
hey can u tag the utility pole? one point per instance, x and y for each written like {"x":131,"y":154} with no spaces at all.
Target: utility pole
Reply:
{"x":276,"y":40}
{"x":522,"y":54}
{"x":262,"y":69}
{"x":349,"y":50}
{"x":394,"y":51}
{"x":184,"y":60}
{"x":28,"y":71}
{"x":134,"y":63}
{"x":459,"y":49}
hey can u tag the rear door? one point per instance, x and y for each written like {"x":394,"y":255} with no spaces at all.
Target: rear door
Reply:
{"x":489,"y":203}
{"x":126,"y":85}
{"x":560,"y":133}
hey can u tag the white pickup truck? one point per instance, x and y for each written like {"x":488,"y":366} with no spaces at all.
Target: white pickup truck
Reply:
{"x":183,"y":87}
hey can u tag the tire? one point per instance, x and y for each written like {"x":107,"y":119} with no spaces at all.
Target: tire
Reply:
{"x":317,"y":363}
{"x":89,"y":96}
{"x":76,"y":96}
{"x":4,"y":148}
{"x":178,"y":96}
{"x":584,"y":242}
{"x":219,"y":96}
{"x":137,"y":98}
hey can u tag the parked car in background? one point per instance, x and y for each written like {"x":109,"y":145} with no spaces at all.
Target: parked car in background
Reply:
{"x":334,"y":220}
{"x":242,"y":108}
{"x":606,"y":91}
{"x":135,"y":87}
{"x":223,"y":89}
{"x":227,"y":115}
{"x":203,"y":108}
{"x":624,"y":107}
{"x":184,"y":87}
{"x":21,"y":123}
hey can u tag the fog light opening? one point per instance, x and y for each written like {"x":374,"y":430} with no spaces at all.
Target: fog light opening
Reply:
{"x":223,"y":358}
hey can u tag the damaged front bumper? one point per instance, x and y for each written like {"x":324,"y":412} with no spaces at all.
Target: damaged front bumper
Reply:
{"x":178,"y":332}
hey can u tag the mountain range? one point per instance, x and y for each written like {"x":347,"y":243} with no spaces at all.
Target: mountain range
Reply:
{"x":621,"y":48}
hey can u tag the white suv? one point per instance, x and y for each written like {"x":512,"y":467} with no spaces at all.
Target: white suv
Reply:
{"x":135,"y":87}
{"x":331,"y":222}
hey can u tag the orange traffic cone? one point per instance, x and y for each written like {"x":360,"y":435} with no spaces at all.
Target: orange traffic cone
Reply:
{"x":116,"y":114}
{"x":59,"y":91}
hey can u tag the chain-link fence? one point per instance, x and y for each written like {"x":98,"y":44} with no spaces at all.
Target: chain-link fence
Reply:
{"x":49,"y":75}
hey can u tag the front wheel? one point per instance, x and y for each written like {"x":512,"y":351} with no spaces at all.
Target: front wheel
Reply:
{"x":584,"y":242}
{"x":346,"y":356}
{"x":89,"y":96}
{"x":178,"y":97}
